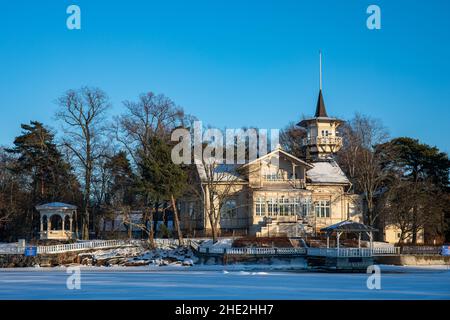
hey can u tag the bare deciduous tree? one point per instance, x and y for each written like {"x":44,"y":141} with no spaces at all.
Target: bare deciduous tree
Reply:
{"x":82,"y":113}
{"x":360,"y":160}
{"x":291,"y":140}
{"x":218,"y":183}
{"x":152,"y":116}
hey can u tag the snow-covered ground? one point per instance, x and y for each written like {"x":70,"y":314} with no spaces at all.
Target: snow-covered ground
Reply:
{"x":221,"y":243}
{"x":222,"y":282}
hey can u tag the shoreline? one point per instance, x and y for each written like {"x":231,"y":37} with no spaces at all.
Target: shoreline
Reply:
{"x":225,"y":268}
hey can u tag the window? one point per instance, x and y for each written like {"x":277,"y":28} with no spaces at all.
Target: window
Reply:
{"x":284,"y":206}
{"x":272,"y":207}
{"x":306,"y":207}
{"x":191,"y":210}
{"x":324,"y":133}
{"x":296,"y":207}
{"x":260,"y":207}
{"x":323,"y":209}
{"x":273,"y":176}
{"x":229,"y":208}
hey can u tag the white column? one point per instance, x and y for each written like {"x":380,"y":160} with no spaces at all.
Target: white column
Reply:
{"x":42,"y":225}
{"x":63,"y":222}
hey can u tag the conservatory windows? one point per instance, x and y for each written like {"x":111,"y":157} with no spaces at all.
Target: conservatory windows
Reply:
{"x":283,"y":206}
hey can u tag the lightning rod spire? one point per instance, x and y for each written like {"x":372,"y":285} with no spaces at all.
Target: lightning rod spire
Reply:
{"x":320,"y":70}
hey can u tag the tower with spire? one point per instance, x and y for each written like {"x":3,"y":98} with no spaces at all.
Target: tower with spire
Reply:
{"x":322,"y":140}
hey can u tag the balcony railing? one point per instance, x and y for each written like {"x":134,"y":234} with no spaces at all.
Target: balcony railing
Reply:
{"x":322,"y":141}
{"x":296,"y":183}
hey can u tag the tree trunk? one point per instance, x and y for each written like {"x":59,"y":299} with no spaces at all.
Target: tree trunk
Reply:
{"x":214,"y":232}
{"x":414,"y":226}
{"x":85,"y":218}
{"x":213,"y":228}
{"x":130,"y":230}
{"x":151,"y":236}
{"x":176,"y":221}
{"x":145,"y":222}
{"x":85,"y":226}
{"x":212,"y":221}
{"x":87,"y":189}
{"x":155,"y":217}
{"x":369,"y":211}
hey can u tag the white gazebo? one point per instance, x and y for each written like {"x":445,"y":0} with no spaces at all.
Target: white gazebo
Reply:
{"x":56,"y":221}
{"x":349,"y":226}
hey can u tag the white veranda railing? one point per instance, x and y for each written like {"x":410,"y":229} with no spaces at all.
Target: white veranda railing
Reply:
{"x":101,"y":244}
{"x":14,"y":248}
{"x":248,"y":251}
{"x":324,"y":252}
{"x":86,"y":245}
{"x":353,"y":252}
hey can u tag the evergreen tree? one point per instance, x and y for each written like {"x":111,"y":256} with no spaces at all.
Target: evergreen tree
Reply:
{"x":48,"y":177}
{"x":416,"y":161}
{"x":160,"y":178}
{"x":425,"y":171}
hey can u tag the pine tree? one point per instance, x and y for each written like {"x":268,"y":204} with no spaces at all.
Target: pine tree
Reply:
{"x":49,"y":177}
{"x":161,"y":178}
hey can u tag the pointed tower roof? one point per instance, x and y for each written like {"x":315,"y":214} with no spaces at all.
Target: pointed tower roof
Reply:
{"x":321,"y":114}
{"x":320,"y":108}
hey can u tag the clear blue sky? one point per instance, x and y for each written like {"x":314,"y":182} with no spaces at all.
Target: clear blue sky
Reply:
{"x":233,"y":63}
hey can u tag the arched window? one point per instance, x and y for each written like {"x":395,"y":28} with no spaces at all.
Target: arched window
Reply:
{"x":56,"y":221}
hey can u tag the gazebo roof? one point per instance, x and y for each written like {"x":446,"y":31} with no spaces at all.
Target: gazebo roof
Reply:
{"x":56,"y":206}
{"x":348,"y":226}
